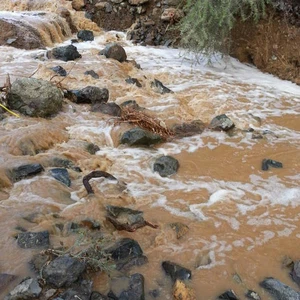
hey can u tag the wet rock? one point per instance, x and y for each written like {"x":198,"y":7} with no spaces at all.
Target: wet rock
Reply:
{"x":131,"y":104}
{"x":252,"y":295}
{"x":111,"y":109}
{"x":59,"y":70}
{"x":126,"y":253}
{"x":221,"y":122}
{"x":92,"y":148}
{"x":35,"y":97}
{"x":61,"y":175}
{"x":89,"y":94}
{"x":140,"y":137}
{"x":159,"y":87}
{"x":63,"y":271}
{"x":182,"y":291}
{"x":166,"y":166}
{"x":266,"y":163}
{"x":29,"y":288}
{"x":114,"y":51}
{"x":98,"y":296}
{"x":176,"y":271}
{"x":154,"y":293}
{"x":287,"y":262}
{"x":296,"y":272}
{"x":126,"y":219}
{"x":24,"y":171}
{"x":278,"y":290}
{"x":228,"y":295}
{"x":128,"y":288}
{"x":85,"y":223}
{"x":135,"y":81}
{"x":65,"y":53}
{"x":28,"y":240}
{"x":85,"y":35}
{"x":92,"y":73}
{"x":188,"y":129}
{"x":64,"y":163}
{"x":6,"y":280}
{"x":180,"y":229}
{"x":81,"y":291}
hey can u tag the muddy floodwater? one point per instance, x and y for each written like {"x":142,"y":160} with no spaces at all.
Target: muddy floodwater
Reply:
{"x":242,"y":220}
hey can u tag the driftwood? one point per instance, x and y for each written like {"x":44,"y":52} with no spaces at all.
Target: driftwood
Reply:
{"x":95,"y":174}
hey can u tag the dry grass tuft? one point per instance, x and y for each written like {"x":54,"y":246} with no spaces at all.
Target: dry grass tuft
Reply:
{"x":144,"y":121}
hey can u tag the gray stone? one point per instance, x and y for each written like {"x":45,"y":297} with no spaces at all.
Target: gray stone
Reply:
{"x":111,"y":108}
{"x":59,"y":70}
{"x":24,"y":171}
{"x":176,"y":271}
{"x":296,"y":272}
{"x":114,"y":51}
{"x":159,"y":87}
{"x":166,"y":166}
{"x":35,"y":97}
{"x":221,"y":122}
{"x":65,"y":53}
{"x":140,"y":137}
{"x":28,"y":289}
{"x":28,"y":240}
{"x":278,"y":290}
{"x":81,"y":291}
{"x":135,"y":81}
{"x":188,"y":129}
{"x":63,"y":271}
{"x":89,"y":94}
{"x":92,"y":73}
{"x":85,"y":35}
{"x":62,"y":175}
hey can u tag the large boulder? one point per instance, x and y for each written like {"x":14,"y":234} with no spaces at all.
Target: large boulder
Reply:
{"x":114,"y":51}
{"x":89,"y":94}
{"x":35,"y":97}
{"x":140,"y":137}
{"x":166,"y":166}
{"x":65,"y":53}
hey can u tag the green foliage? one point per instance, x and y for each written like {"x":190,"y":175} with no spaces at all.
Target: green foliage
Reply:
{"x":207,"y":24}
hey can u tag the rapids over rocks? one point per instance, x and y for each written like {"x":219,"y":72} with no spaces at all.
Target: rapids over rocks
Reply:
{"x":241,"y":220}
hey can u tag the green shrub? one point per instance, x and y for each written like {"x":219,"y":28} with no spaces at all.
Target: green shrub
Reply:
{"x":207,"y":23}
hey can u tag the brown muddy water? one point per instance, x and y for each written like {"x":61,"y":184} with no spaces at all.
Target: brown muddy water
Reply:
{"x":241,"y":219}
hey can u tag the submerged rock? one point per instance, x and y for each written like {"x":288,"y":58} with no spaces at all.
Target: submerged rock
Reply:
{"x":35,"y":97}
{"x":278,"y":290}
{"x":252,"y":295}
{"x":159,"y":87}
{"x":33,"y":239}
{"x":114,"y":51}
{"x":65,"y":53}
{"x":92,"y":73}
{"x":85,"y":35}
{"x":59,"y":70}
{"x":176,"y":271}
{"x":6,"y":280}
{"x":188,"y":129}
{"x":140,"y":137}
{"x":63,"y":271}
{"x":25,"y":171}
{"x":61,"y":175}
{"x":296,"y":272}
{"x":128,"y":288}
{"x":180,"y":229}
{"x":111,"y":108}
{"x":228,"y":295}
{"x":29,"y":288}
{"x":166,"y":166}
{"x":221,"y":122}
{"x":135,"y":81}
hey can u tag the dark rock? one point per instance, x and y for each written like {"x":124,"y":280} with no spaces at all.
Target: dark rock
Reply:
{"x":33,"y":239}
{"x":166,"y":166}
{"x":92,"y":73}
{"x":180,"y":229}
{"x":89,"y":94}
{"x":64,"y":163}
{"x":159,"y":87}
{"x":131,"y":104}
{"x":111,"y":108}
{"x":252,"y":295}
{"x":221,"y":122}
{"x":35,"y":97}
{"x":154,"y":293}
{"x":61,"y":175}
{"x":24,"y":171}
{"x":98,"y":296}
{"x":81,"y":291}
{"x":135,"y":81}
{"x":128,"y":288}
{"x":85,"y":35}
{"x":176,"y":271}
{"x":188,"y":129}
{"x":296,"y":272}
{"x":92,"y":148}
{"x":278,"y":290}
{"x":125,"y":218}
{"x":63,"y":271}
{"x":6,"y":280}
{"x":266,"y":163}
{"x":38,"y":262}
{"x":85,"y":223}
{"x":140,"y":137}
{"x":59,"y":70}
{"x":29,"y":288}
{"x":126,"y":253}
{"x":228,"y":295}
{"x":114,"y":51}
{"x":65,"y":53}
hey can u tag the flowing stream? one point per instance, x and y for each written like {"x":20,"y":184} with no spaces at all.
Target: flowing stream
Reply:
{"x":241,"y":220}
